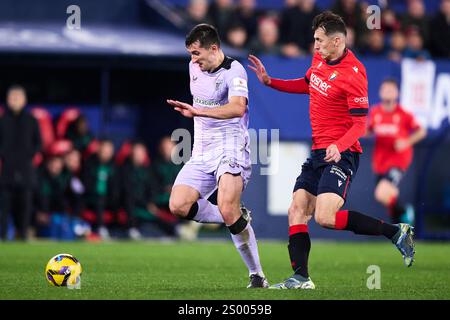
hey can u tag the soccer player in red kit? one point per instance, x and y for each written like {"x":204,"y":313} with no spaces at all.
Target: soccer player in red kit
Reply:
{"x":396,"y":132}
{"x":337,"y":85}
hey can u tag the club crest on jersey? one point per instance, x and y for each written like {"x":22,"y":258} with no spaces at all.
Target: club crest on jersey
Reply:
{"x":218,"y":83}
{"x":333,"y":76}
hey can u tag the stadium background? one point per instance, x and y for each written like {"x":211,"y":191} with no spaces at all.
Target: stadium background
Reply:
{"x":129,"y":56}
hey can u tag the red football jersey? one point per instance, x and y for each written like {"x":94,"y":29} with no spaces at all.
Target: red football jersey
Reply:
{"x":388,"y":127}
{"x":338,"y":92}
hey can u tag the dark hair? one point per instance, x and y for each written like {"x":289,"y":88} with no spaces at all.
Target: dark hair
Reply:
{"x":206,"y":34}
{"x":390,"y":80}
{"x":330,"y":22}
{"x":15,"y":87}
{"x":104,"y":140}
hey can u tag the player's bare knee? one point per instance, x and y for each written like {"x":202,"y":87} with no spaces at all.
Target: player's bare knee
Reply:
{"x":230,"y":212}
{"x":324,"y":219}
{"x":298,"y":215}
{"x":179,"y":208}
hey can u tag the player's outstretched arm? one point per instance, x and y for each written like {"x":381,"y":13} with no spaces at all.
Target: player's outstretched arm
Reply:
{"x":300,"y":85}
{"x":235,"y":108}
{"x":184,"y":108}
{"x":259,"y":69}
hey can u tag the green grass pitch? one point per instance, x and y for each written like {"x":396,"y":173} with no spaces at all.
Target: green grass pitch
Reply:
{"x":214,"y":270}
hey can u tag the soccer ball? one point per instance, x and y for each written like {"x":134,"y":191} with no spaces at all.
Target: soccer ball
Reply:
{"x":63,"y":270}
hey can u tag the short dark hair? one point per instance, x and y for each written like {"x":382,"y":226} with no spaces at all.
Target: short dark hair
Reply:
{"x":330,"y":22}
{"x":390,"y":80}
{"x":15,"y":87}
{"x":206,"y":34}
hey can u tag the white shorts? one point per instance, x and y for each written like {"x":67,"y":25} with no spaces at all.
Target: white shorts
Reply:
{"x":200,"y":177}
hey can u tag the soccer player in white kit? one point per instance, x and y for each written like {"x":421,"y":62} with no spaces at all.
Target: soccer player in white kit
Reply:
{"x":221,"y":153}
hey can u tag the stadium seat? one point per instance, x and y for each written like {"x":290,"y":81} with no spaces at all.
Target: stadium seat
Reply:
{"x":60,"y":147}
{"x":37,"y":160}
{"x":44,"y":119}
{"x":124,"y":152}
{"x":67,"y":117}
{"x":91,"y":149}
{"x":108,"y":217}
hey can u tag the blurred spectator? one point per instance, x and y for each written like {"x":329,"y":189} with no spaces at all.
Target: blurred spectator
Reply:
{"x":19,"y":141}
{"x":267,"y":41}
{"x":415,"y":45}
{"x":354,"y":17}
{"x":295,"y":28}
{"x":140,"y":190}
{"x":375,"y":44}
{"x":222,"y":15}
{"x":397,"y":46}
{"x":197,"y":12}
{"x":165,"y":171}
{"x":78,"y":132}
{"x":45,"y":122}
{"x":72,"y":162}
{"x":440,"y":31}
{"x":100,"y":179}
{"x":290,"y":3}
{"x":389,"y":21}
{"x":237,"y":37}
{"x":350,"y":39}
{"x":52,"y":198}
{"x":247,"y":15}
{"x":416,"y":17}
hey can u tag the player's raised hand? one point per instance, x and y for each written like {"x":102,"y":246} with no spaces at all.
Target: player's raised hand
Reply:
{"x":258,"y":67}
{"x":185,"y":109}
{"x":332,"y":154}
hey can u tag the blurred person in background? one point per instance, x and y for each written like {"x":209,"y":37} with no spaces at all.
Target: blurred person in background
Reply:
{"x":375,"y":47}
{"x":165,"y":171}
{"x":53,"y":206}
{"x":79,"y":133}
{"x":197,"y":12}
{"x":397,"y":46}
{"x":354,"y":16}
{"x":440,"y":31}
{"x":246,"y":14}
{"x":76,"y":192}
{"x":415,"y":45}
{"x":72,"y":162}
{"x":350,"y":39}
{"x":295,"y":28}
{"x":416,"y":18}
{"x":389,"y":21}
{"x":222,"y":15}
{"x":237,"y":37}
{"x":396,"y":132}
{"x":100,"y":178}
{"x":267,"y":41}
{"x":290,"y":3}
{"x":139,"y":189}
{"x":20,"y":140}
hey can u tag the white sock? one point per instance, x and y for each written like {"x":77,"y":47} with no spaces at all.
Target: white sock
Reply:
{"x":245,"y":243}
{"x":207,"y":212}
